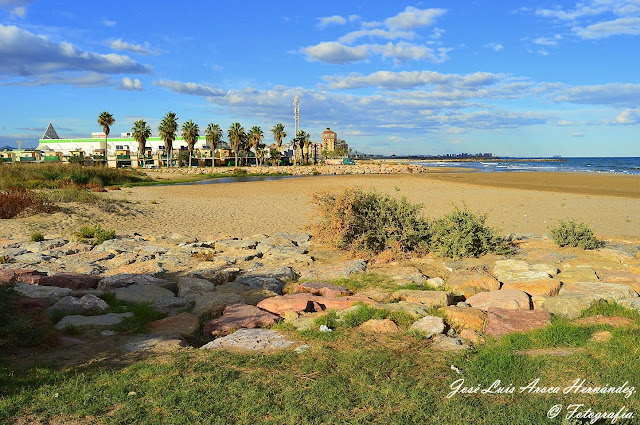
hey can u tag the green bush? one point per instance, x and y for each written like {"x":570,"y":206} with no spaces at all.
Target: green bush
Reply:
{"x":464,"y":234}
{"x":37,"y":237}
{"x":371,"y":222}
{"x":570,"y":233}
{"x":94,"y":234}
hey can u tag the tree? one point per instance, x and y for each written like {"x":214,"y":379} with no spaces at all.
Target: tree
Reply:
{"x":141,"y":132}
{"x":255,"y":138}
{"x":190,"y":134}
{"x":236,"y":139}
{"x":274,"y":154}
{"x":213,"y":135}
{"x":106,"y":120}
{"x":261,"y":152}
{"x":167,"y":129}
{"x":302,"y":138}
{"x":279,"y":134}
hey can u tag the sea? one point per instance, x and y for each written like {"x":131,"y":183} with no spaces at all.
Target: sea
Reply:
{"x":614,"y":165}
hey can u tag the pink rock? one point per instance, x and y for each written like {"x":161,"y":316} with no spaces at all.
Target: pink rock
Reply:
{"x":184,"y":324}
{"x":510,"y":299}
{"x":73,"y":281}
{"x":238,"y":316}
{"x":502,"y":321}
{"x":322,"y":288}
{"x":301,"y":302}
{"x":380,"y":326}
{"x":30,"y":276}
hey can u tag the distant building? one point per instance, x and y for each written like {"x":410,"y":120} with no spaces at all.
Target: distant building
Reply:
{"x":331,"y":143}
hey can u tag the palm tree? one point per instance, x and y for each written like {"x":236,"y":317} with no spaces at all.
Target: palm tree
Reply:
{"x":141,"y":132}
{"x":167,"y":129}
{"x":190,"y":134}
{"x":255,"y":137}
{"x":301,"y":140}
{"x":106,"y":120}
{"x":236,"y":138}
{"x":279,"y":134}
{"x":262,"y":152}
{"x":213,"y":134}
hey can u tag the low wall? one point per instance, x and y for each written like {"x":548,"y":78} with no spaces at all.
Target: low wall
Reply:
{"x":307,"y":170}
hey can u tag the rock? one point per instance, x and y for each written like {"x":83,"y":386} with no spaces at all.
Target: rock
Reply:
{"x":85,"y":305}
{"x":153,"y":268}
{"x":122,"y":280}
{"x":251,"y":339}
{"x":32,"y":258}
{"x":51,"y":293}
{"x":602,"y":336}
{"x":38,"y":303}
{"x":558,"y":352}
{"x":624,"y":277}
{"x":235,"y":244}
{"x":471,"y":336}
{"x":468,"y":283}
{"x":569,"y":305}
{"x":171,"y":306}
{"x":106,"y":320}
{"x":142,"y":294}
{"x":616,"y":322}
{"x":338,"y":271}
{"x":501,"y":322}
{"x":577,"y":274}
{"x":402,"y":275}
{"x":514,"y":270}
{"x":322,"y":288}
{"x":30,"y":276}
{"x":257,"y":281}
{"x":304,"y":321}
{"x":436,"y":282}
{"x":416,"y":311}
{"x":73,"y":281}
{"x":44,"y":245}
{"x":429,"y":325}
{"x":537,"y":300}
{"x":445,"y":343}
{"x":233,"y":287}
{"x":546,"y":286}
{"x":184,"y":324}
{"x":428,"y":298}
{"x":70,"y":249}
{"x":605,"y":291}
{"x":302,"y":349}
{"x":237,"y":316}
{"x":632,"y":303}
{"x":465,"y":318}
{"x":510,"y":299}
{"x":301,"y":302}
{"x":254,"y":296}
{"x":380,"y":326}
{"x":212,"y":304}
{"x":193,"y":287}
{"x":158,"y":343}
{"x":217,"y":276}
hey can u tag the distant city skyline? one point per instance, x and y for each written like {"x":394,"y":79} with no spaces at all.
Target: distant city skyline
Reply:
{"x":413,"y":78}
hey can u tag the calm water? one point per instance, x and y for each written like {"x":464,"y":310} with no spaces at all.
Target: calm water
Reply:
{"x":584,"y":165}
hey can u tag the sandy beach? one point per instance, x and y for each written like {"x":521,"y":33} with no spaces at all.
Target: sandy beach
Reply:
{"x":514,"y":202}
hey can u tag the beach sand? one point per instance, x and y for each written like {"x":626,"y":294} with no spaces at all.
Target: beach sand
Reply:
{"x":514,"y":202}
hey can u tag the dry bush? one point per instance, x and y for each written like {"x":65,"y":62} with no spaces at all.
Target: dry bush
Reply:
{"x":15,"y":202}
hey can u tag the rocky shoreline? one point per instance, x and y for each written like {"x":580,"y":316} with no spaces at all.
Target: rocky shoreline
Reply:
{"x":226,"y":293}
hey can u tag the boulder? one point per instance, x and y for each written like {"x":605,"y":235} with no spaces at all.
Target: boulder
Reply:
{"x":510,"y":299}
{"x":51,"y":293}
{"x":606,"y":291}
{"x":577,"y":274}
{"x":30,"y":276}
{"x":429,"y":325}
{"x":193,"y":287}
{"x":337,"y":271}
{"x":142,"y":294}
{"x":150,"y":267}
{"x":254,"y":296}
{"x":569,"y":305}
{"x":471,"y":336}
{"x":468,"y":283}
{"x":235,"y":244}
{"x":212,"y":304}
{"x":380,"y":326}
{"x":87,"y":304}
{"x":184,"y":324}
{"x":259,"y":281}
{"x":217,"y":275}
{"x":171,"y":306}
{"x":416,"y":311}
{"x":322,"y":288}
{"x":545,"y":286}
{"x":238,"y":316}
{"x":301,"y":302}
{"x":121,"y":280}
{"x":251,"y":339}
{"x":428,"y":298}
{"x":73,"y":281}
{"x":632,"y":303}
{"x":465,"y":318}
{"x":445,"y":343}
{"x":514,"y":270}
{"x":624,"y":277}
{"x":106,"y":320}
{"x":156,"y":343}
{"x":402,"y":275}
{"x":501,"y":322}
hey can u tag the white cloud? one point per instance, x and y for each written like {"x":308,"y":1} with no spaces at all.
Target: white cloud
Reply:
{"x":628,"y":116}
{"x":545,"y":41}
{"x":89,"y":79}
{"x":131,"y":47}
{"x":614,"y":94}
{"x":331,"y":20}
{"x":108,"y":22}
{"x":389,"y":35}
{"x":407,"y":80}
{"x":413,"y":17}
{"x":131,"y":84}
{"x":402,"y":52}
{"x":24,"y":53}
{"x":496,"y":47}
{"x":336,"y":53}
{"x":620,"y":26}
{"x":17,"y":8}
{"x":593,"y":8}
{"x":189,"y":88}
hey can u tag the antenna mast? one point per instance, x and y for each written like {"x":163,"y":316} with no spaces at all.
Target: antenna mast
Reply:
{"x":19,"y":143}
{"x":296,"y":113}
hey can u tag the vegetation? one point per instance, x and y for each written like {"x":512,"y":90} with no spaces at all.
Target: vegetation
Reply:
{"x":213,"y":135}
{"x":36,"y":237}
{"x":94,"y":234}
{"x":255,"y":138}
{"x":570,"y":233}
{"x":190,"y":134}
{"x":106,"y":120}
{"x":167,"y":130}
{"x":278,"y":135}
{"x":15,"y":202}
{"x":141,"y":132}
{"x":237,"y":137}
{"x":22,"y":327}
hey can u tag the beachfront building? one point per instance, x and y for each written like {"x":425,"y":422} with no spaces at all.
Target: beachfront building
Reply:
{"x":331,"y":144}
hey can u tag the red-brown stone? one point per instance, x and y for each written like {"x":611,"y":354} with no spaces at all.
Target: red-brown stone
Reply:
{"x":502,"y":321}
{"x":72,"y":281}
{"x":302,"y":302}
{"x":322,"y":288}
{"x":238,"y":316}
{"x":11,"y":276}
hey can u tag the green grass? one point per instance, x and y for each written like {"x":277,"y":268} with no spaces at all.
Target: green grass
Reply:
{"x":143,"y":314}
{"x":36,"y":237}
{"x":207,"y":176}
{"x":370,"y":280}
{"x":94,"y":234}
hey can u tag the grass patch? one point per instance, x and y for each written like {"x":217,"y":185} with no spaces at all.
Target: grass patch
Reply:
{"x":610,"y":309}
{"x":570,"y":233}
{"x":36,"y":237}
{"x":369,"y":280}
{"x":94,"y":234}
{"x":143,"y":314}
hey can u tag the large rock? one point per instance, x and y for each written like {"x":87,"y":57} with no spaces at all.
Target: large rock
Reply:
{"x":514,"y":270}
{"x":569,"y":305}
{"x":380,"y":326}
{"x":122,"y":280}
{"x":632,"y":303}
{"x":150,"y":267}
{"x":465,"y":318}
{"x":336,"y":271}
{"x":238,"y":316}
{"x":104,"y":321}
{"x":577,"y":274}
{"x":402,"y":275}
{"x":428,"y":298}
{"x":73,"y":281}
{"x":606,"y":291}
{"x":468,"y":282}
{"x":415,"y":311}
{"x":501,"y":322}
{"x":445,"y":343}
{"x":184,"y":324}
{"x":51,"y":293}
{"x":429,"y":325}
{"x":251,"y":339}
{"x":217,"y":275}
{"x":213,"y":304}
{"x":85,"y":305}
{"x":510,"y":299}
{"x":545,"y":286}
{"x":259,"y":281}
{"x":193,"y":287}
{"x":162,"y":343}
{"x":322,"y":288}
{"x":255,"y":296}
{"x":234,"y":244}
{"x":171,"y":306}
{"x":30,"y":276}
{"x":624,"y":277}
{"x":143,"y":294}
{"x":301,"y":302}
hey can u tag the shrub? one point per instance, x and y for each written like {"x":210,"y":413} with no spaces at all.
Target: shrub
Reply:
{"x":96,"y":234}
{"x":14,"y":202}
{"x":37,"y":237}
{"x":372,"y":222}
{"x":239,"y":172}
{"x":464,"y":234}
{"x":570,"y":233}
{"x":20,"y":327}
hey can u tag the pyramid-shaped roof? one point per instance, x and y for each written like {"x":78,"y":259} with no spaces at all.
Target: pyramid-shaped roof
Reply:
{"x":50,"y":133}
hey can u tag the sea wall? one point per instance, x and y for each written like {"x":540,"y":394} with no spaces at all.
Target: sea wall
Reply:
{"x":308,"y":170}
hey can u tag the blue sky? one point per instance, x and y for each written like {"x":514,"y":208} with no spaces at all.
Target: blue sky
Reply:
{"x":514,"y":78}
